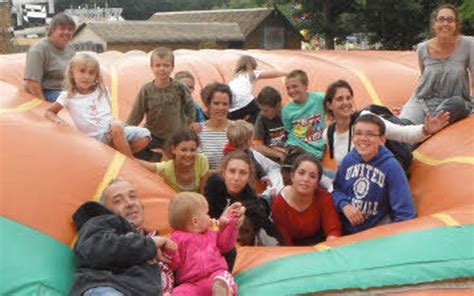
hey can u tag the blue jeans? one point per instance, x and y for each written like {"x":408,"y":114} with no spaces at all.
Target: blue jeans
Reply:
{"x":102,"y":291}
{"x":51,"y":95}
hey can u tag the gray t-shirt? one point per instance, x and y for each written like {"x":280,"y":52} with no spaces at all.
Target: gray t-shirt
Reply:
{"x":445,"y":78}
{"x":47,"y":64}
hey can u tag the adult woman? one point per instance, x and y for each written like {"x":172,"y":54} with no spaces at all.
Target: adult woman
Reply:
{"x":303,"y":213}
{"x":232,"y":184}
{"x":187,"y":170}
{"x":339,"y":105}
{"x":47,"y":60}
{"x":445,"y":61}
{"x":217,"y":97}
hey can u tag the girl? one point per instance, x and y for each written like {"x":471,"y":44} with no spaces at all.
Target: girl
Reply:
{"x":445,"y":62}
{"x":198,"y":262}
{"x":242,"y":86}
{"x":188,"y":169}
{"x":339,"y":105}
{"x":87,"y":101}
{"x":302,"y":211}
{"x":232,"y":184}
{"x":217,"y":97}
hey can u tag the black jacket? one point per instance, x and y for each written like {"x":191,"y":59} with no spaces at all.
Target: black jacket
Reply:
{"x":111,"y":252}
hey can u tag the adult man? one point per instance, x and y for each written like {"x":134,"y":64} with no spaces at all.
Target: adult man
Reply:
{"x":370,"y":184}
{"x":47,"y":59}
{"x":114,"y":255}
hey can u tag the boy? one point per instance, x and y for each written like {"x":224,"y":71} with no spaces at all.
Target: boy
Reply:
{"x":270,"y":135}
{"x":370,"y":184}
{"x":187,"y":79}
{"x":303,"y":118}
{"x":167,"y":103}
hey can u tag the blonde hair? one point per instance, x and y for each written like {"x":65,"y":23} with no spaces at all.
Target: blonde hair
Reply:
{"x":299,"y":74}
{"x":239,"y":133}
{"x":246,"y":64}
{"x":182,"y":208}
{"x":88,"y":61}
{"x":162,"y":52}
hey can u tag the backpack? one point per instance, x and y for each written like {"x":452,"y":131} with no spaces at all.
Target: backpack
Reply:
{"x":401,"y":151}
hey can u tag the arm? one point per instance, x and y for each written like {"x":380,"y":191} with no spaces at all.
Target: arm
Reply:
{"x":52,"y":112}
{"x":189,"y":110}
{"x":139,"y":109}
{"x":102,"y":248}
{"x":399,"y":195}
{"x":342,"y":201}
{"x":151,"y":166}
{"x":202,"y":168}
{"x":227,"y":236}
{"x":174,"y":254}
{"x":34,"y":88}
{"x":330,"y":218}
{"x":281,"y":220}
{"x":271,"y":74}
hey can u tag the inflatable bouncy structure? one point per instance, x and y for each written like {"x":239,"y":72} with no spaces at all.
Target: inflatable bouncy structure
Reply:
{"x":47,"y":171}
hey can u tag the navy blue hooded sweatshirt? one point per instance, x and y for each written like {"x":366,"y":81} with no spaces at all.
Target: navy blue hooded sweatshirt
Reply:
{"x":377,"y":188}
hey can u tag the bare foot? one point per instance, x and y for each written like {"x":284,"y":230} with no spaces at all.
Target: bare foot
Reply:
{"x":221,"y":288}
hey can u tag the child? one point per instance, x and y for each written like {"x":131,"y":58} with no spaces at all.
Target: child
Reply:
{"x":167,"y":103}
{"x":198,"y":262}
{"x":188,"y":79}
{"x":188,"y":169}
{"x":270,"y":135}
{"x":303,"y":118}
{"x":370,"y":186}
{"x":242,"y":85}
{"x":87,"y":101}
{"x":240,"y":136}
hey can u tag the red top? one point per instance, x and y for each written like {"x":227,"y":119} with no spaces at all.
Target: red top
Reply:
{"x":295,"y":226}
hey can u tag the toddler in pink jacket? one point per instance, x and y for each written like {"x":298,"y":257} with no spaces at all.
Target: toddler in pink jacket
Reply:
{"x":198,"y":262}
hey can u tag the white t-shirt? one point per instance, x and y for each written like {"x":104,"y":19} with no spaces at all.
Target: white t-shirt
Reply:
{"x":341,"y":143}
{"x":242,"y":90}
{"x":91,"y":114}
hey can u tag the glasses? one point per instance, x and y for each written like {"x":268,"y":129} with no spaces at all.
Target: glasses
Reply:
{"x":442,"y":19}
{"x":368,"y":135}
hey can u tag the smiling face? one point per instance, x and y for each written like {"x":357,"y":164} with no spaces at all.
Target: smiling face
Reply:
{"x":85,"y":77}
{"x":296,"y":89}
{"x":61,"y":35}
{"x":342,"y":104}
{"x":236,"y":175}
{"x":305,"y":178}
{"x":185,"y":153}
{"x":367,"y":139}
{"x":161,"y":67}
{"x":219,"y":105}
{"x":122,"y":199}
{"x":445,"y":23}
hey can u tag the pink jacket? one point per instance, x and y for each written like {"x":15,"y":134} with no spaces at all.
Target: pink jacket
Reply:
{"x":200,"y":254}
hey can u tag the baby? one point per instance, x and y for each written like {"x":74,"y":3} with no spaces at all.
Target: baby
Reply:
{"x":198,"y":262}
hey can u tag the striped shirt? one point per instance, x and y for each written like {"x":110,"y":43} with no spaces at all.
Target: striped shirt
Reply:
{"x":212,"y":144}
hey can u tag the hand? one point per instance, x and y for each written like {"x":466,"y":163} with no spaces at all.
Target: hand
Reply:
{"x":434,"y":124}
{"x":170,"y":245}
{"x":234,"y":210}
{"x":266,"y":181}
{"x":330,"y":237}
{"x":353,"y":214}
{"x":195,"y":126}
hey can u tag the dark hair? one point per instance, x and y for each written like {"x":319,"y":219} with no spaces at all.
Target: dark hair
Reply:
{"x":374,"y":119}
{"x":61,"y":19}
{"x":300,"y":74}
{"x":308,"y":157}
{"x":209,"y":90}
{"x":269,"y":96}
{"x":287,"y":163}
{"x":331,"y":92}
{"x":182,"y":135}
{"x":435,"y":12}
